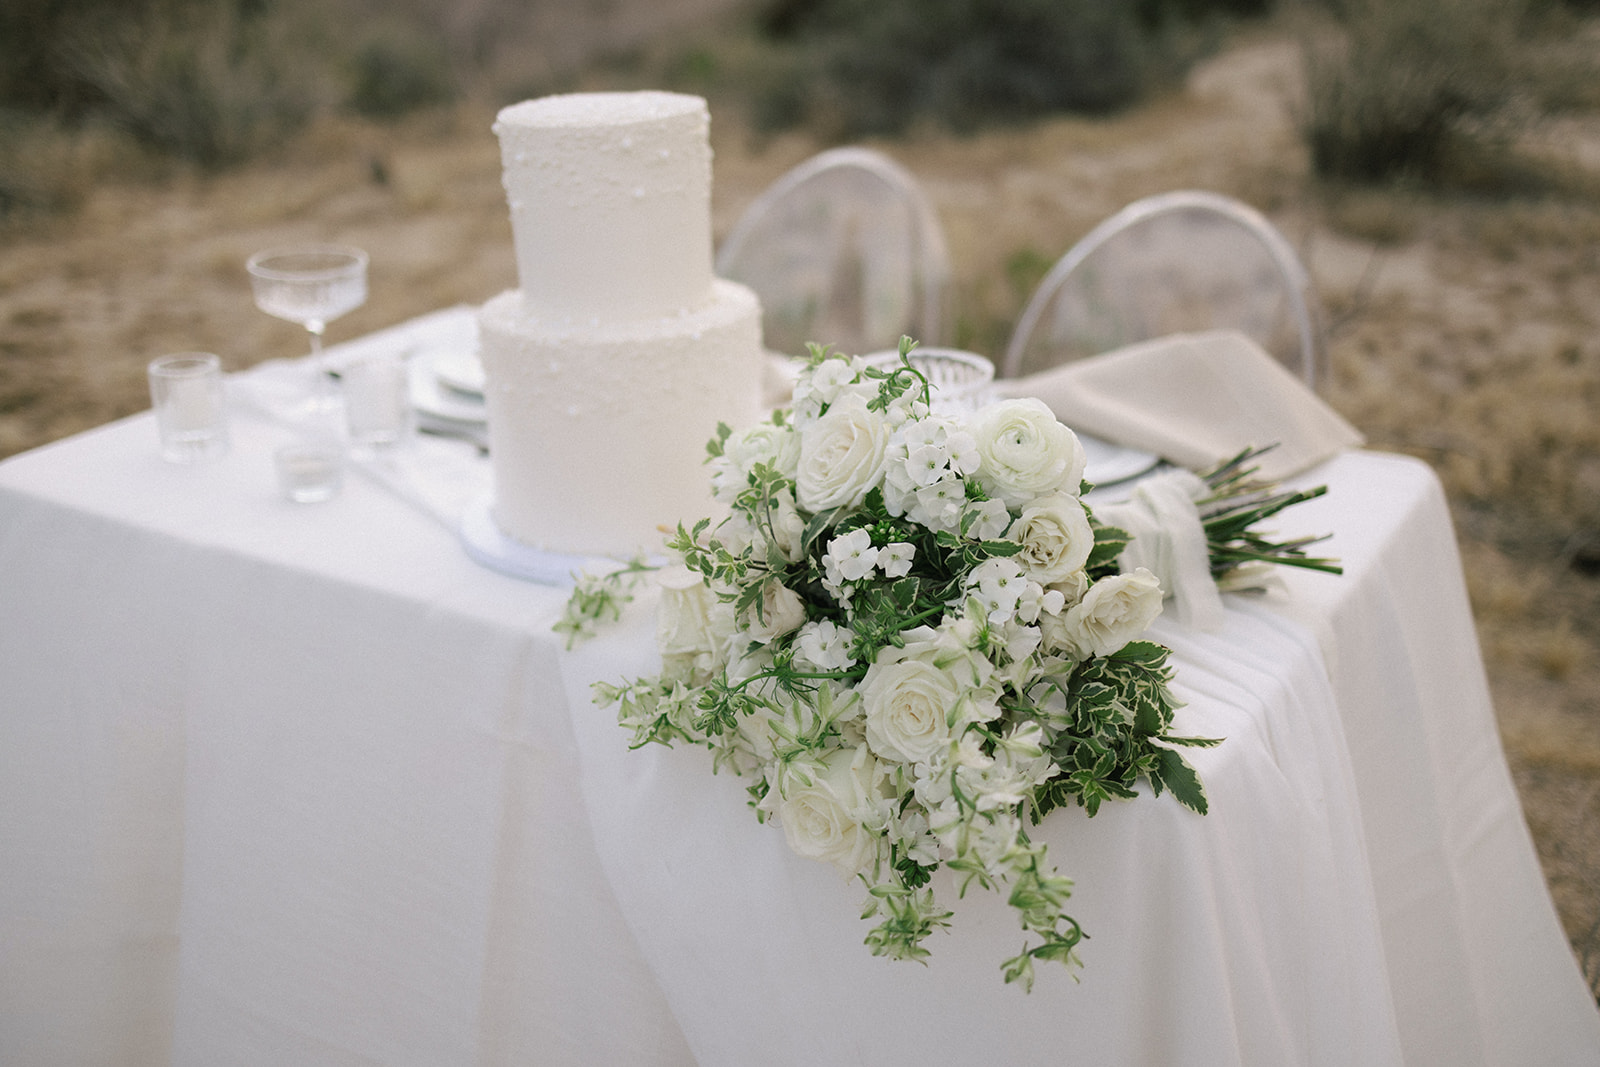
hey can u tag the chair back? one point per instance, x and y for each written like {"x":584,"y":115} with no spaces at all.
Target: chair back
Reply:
{"x":1172,"y":263}
{"x":844,"y":250}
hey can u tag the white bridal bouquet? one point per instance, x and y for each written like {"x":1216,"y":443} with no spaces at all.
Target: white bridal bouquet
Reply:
{"x":915,"y":640}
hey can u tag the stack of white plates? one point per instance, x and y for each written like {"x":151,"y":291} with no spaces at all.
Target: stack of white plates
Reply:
{"x":447,"y":391}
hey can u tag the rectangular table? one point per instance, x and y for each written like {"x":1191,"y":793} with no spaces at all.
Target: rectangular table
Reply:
{"x":304,"y":784}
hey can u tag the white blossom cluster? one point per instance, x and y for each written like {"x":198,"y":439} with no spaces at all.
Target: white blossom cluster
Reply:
{"x":877,"y":751}
{"x":905,"y":726}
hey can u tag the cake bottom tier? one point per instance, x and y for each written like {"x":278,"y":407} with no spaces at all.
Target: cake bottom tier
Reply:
{"x":597,"y":434}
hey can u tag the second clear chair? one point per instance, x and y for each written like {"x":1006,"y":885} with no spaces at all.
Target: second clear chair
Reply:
{"x":1175,"y":262}
{"x":844,"y":250}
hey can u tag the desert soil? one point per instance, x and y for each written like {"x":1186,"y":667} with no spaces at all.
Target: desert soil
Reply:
{"x":1464,"y":331}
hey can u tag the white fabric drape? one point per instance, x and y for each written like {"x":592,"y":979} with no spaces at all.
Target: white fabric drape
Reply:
{"x":283,"y":784}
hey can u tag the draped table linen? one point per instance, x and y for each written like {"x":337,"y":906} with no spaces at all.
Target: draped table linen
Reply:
{"x":286,"y":784}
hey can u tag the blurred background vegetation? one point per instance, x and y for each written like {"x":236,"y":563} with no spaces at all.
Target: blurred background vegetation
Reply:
{"x":1423,"y":91}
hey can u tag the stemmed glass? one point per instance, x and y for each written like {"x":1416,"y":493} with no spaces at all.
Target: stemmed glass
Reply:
{"x":311,"y":285}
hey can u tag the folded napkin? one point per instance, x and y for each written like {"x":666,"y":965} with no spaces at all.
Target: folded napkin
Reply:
{"x":1195,"y":400}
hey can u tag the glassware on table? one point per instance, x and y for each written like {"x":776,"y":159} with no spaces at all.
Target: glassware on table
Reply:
{"x":377,"y":403}
{"x":311,"y":285}
{"x":191,"y":416}
{"x":958,"y":381}
{"x":309,"y":472}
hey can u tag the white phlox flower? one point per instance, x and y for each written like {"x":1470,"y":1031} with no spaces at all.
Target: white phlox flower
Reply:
{"x":991,"y":520}
{"x":851,"y":555}
{"x":825,"y":645}
{"x":938,"y":506}
{"x":894,"y":559}
{"x":998,"y":585}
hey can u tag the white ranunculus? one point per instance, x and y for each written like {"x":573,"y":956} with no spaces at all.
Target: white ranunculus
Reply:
{"x":779,"y":611}
{"x":1113,"y":612}
{"x":766,"y":442}
{"x":841,"y":455}
{"x":1025,"y":453}
{"x":823,"y":820}
{"x":1056,"y":538}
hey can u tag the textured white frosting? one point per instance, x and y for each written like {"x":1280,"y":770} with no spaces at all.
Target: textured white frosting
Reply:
{"x":610,"y":197}
{"x":597,"y":434}
{"x":609,"y":368}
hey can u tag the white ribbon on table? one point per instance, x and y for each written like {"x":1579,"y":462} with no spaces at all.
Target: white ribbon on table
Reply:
{"x":1169,"y":540}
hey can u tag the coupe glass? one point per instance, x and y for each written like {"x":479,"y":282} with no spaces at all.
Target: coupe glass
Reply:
{"x":311,"y":285}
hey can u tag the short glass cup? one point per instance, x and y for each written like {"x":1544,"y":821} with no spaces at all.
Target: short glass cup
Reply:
{"x":377,"y":404}
{"x":309,"y":472}
{"x":187,"y":395}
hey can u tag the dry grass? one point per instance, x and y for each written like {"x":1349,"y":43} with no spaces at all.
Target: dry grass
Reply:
{"x":1465,"y":331}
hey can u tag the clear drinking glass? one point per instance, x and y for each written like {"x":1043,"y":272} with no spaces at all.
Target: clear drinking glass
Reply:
{"x":187,"y":396}
{"x":311,"y":285}
{"x":377,"y":403}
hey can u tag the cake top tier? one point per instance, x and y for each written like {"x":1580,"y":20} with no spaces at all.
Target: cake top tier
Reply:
{"x":610,"y":197}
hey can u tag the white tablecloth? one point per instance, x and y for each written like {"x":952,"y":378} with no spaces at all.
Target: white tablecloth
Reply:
{"x":303,"y":784}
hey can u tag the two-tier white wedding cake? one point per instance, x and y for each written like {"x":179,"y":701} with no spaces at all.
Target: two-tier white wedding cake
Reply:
{"x":609,"y":367}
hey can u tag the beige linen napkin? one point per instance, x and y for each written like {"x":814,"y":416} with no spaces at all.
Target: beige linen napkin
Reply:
{"x":1194,"y":400}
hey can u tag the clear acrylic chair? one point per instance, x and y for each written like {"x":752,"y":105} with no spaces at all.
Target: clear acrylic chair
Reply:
{"x":844,"y":250}
{"x":1172,"y":263}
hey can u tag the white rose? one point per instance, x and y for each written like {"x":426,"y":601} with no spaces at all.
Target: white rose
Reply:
{"x":841,"y":455}
{"x":683,"y":619}
{"x":1056,"y":538}
{"x":909,"y":705}
{"x":823,"y":820}
{"x":1025,"y":452}
{"x":1113,"y":612}
{"x":779,"y":610}
{"x":914,"y":698}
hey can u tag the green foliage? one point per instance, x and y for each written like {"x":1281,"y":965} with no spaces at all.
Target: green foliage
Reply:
{"x":599,"y":598}
{"x":1427,"y":90}
{"x":397,"y":69}
{"x":880,"y":65}
{"x":210,"y":83}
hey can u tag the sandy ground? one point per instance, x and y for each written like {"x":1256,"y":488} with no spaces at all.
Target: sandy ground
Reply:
{"x":1463,"y":331}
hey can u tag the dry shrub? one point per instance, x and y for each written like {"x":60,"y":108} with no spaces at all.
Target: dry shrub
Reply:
{"x":881,"y":66}
{"x":207,"y":83}
{"x":1394,"y":89}
{"x":1439,"y":91}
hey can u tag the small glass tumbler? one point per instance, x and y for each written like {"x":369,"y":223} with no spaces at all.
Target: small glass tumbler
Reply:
{"x":377,"y":404}
{"x":191,"y":414}
{"x":309,"y":473}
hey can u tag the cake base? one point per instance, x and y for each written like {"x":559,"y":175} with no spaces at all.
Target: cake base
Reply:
{"x":487,"y":546}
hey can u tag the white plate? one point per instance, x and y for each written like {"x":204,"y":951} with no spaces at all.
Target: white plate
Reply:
{"x":430,"y":397}
{"x":1110,"y":464}
{"x":461,"y":371}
